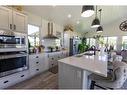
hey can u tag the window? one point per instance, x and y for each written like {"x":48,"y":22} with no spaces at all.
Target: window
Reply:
{"x":107,"y":41}
{"x":57,"y":42}
{"x":104,"y":40}
{"x":33,"y":35}
{"x":87,"y":41}
{"x":112,"y":41}
{"x":92,"y":41}
{"x":124,"y":42}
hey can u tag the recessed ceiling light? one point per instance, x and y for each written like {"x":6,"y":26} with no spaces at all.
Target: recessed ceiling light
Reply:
{"x":77,"y":22}
{"x":69,"y":16}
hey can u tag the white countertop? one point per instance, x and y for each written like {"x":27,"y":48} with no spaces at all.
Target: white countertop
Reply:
{"x":95,"y":64}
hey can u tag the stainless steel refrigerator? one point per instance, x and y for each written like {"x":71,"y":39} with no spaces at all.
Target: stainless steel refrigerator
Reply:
{"x":74,"y":43}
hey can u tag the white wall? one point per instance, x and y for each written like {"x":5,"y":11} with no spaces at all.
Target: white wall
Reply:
{"x":111,"y":29}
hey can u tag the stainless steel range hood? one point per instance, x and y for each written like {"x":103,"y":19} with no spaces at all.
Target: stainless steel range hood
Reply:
{"x":50,"y":32}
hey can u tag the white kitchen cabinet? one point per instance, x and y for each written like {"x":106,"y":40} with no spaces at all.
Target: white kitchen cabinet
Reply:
{"x":33,"y":61}
{"x":13,"y":20}
{"x":65,"y":54}
{"x":46,"y":63}
{"x":13,"y":79}
{"x":42,"y":62}
{"x":19,"y":22}
{"x":38,"y":63}
{"x":5,"y":18}
{"x":53,"y":58}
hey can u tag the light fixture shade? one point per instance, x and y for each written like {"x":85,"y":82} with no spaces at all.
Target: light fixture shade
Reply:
{"x":87,"y":11}
{"x":95,"y":23}
{"x":99,"y":29}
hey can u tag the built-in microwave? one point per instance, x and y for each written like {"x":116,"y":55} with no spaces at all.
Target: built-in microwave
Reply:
{"x":13,"y":41}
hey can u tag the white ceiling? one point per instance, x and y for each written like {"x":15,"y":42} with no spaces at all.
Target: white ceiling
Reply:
{"x":59,"y":15}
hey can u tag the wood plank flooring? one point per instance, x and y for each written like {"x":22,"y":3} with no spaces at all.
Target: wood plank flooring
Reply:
{"x":46,"y":80}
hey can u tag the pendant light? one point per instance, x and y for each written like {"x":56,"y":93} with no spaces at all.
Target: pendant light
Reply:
{"x":96,"y":22}
{"x":87,"y":11}
{"x":100,"y":28}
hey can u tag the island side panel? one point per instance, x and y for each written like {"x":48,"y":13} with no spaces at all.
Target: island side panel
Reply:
{"x":85,"y":80}
{"x":70,"y":77}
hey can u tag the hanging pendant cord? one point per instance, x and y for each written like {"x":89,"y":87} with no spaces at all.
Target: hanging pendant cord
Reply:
{"x":96,"y":12}
{"x":100,"y":14}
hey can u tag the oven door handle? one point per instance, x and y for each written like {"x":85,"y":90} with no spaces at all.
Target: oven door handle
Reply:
{"x":13,"y":56}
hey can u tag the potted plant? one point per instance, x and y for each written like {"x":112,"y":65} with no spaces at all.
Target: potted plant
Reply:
{"x":83,"y":46}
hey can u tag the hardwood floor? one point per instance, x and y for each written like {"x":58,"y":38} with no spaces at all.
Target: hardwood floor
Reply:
{"x":46,"y":80}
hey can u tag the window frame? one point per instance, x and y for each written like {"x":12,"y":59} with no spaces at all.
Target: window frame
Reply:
{"x":38,"y":36}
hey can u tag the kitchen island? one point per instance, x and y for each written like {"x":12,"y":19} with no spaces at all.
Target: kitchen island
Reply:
{"x":74,"y":70}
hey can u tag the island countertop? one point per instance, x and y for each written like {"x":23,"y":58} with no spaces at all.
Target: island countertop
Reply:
{"x":93,"y":63}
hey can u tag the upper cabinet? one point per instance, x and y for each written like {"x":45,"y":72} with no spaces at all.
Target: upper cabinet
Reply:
{"x":5,"y":18}
{"x":13,"y":20}
{"x":19,"y":22}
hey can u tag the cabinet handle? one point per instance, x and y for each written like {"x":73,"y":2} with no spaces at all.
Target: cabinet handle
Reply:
{"x":10,"y":26}
{"x":14,"y":27}
{"x":22,"y":76}
{"x":6,"y":81}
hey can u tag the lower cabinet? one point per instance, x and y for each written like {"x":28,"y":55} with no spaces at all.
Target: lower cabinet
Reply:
{"x":54,"y":57}
{"x":13,"y":79}
{"x":37,"y":63}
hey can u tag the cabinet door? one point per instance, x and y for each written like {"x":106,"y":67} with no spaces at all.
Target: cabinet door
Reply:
{"x":46,"y":67}
{"x":41,"y":62}
{"x":19,"y":22}
{"x":5,"y":18}
{"x":32,"y":64}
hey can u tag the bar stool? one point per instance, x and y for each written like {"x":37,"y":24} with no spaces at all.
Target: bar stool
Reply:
{"x":114,"y":80}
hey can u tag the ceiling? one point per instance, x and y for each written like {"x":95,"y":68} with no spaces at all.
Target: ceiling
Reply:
{"x":59,"y":15}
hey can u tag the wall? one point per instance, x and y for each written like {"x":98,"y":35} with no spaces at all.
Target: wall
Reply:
{"x":112,"y":29}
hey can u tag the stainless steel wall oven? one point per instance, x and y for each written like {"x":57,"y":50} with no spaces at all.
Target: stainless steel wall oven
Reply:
{"x":13,"y":53}
{"x":12,"y":62}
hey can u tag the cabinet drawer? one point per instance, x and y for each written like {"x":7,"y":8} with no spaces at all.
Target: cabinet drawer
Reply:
{"x":35,"y":70}
{"x":13,"y":79}
{"x":6,"y":82}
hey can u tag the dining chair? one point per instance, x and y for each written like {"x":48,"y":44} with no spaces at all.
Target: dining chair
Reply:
{"x":124,"y":55}
{"x":114,"y":79}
